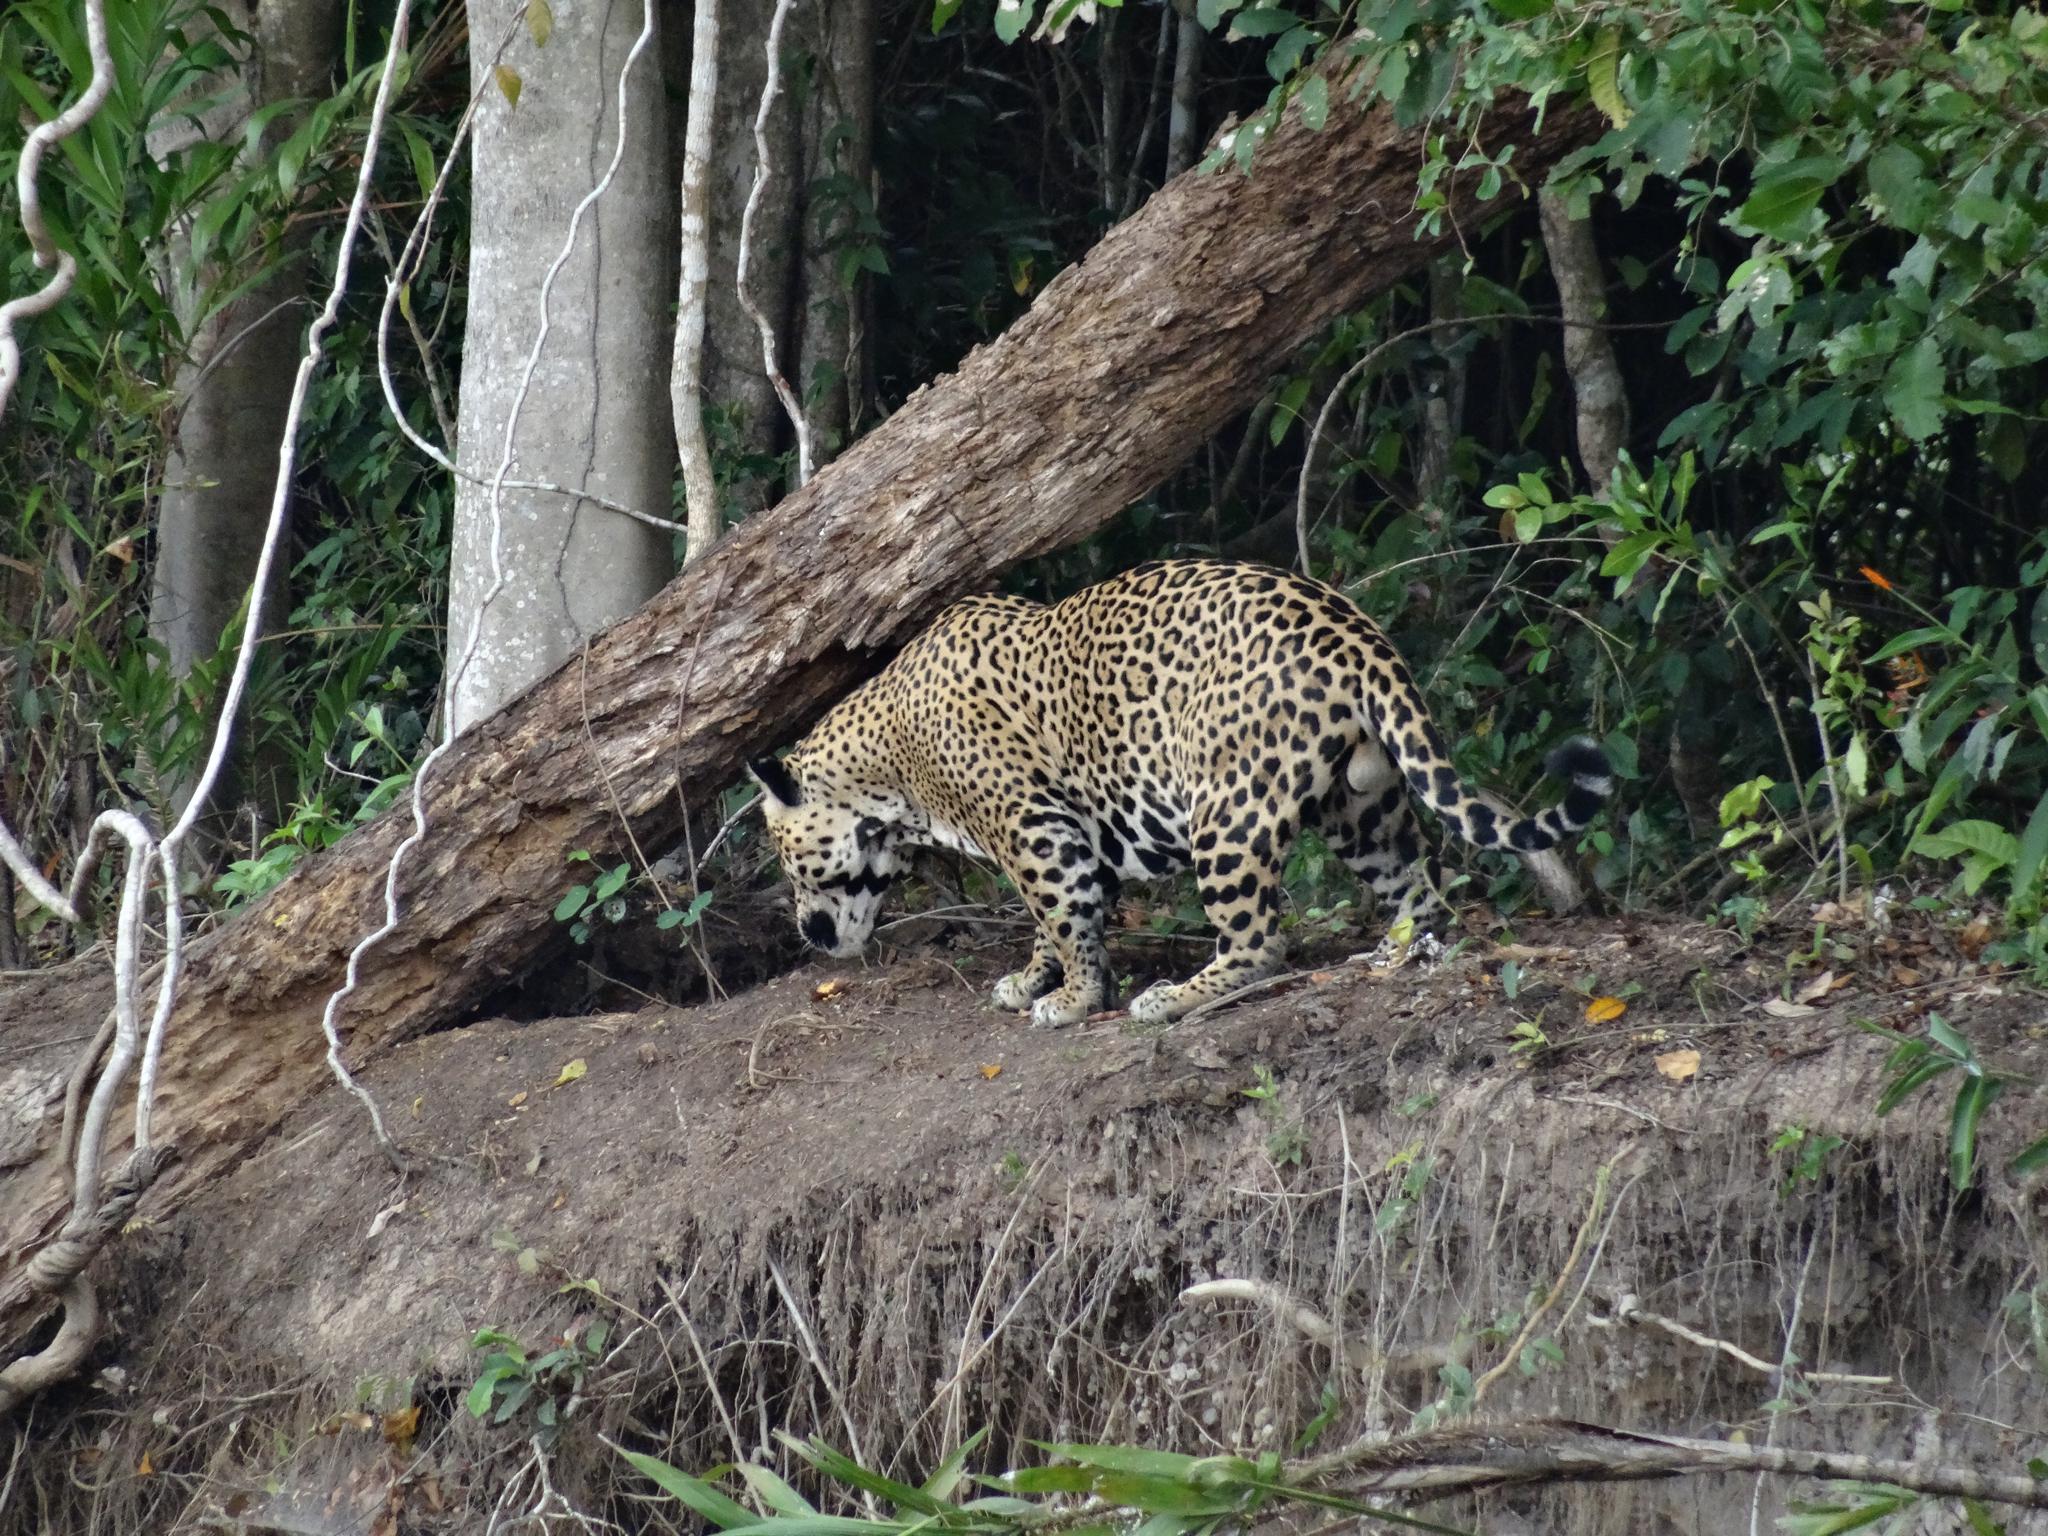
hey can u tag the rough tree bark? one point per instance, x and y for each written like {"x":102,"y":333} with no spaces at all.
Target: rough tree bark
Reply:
{"x":598,"y":416}
{"x":233,"y":388}
{"x":1126,"y":364}
{"x":1589,"y":359}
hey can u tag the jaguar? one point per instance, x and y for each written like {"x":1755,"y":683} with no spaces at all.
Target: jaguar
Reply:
{"x":1186,"y":712}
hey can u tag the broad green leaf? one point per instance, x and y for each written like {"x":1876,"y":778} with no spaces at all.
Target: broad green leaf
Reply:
{"x":509,"y":83}
{"x":1786,"y":195}
{"x":1961,"y":837}
{"x":1603,"y":82}
{"x":1262,"y":21}
{"x":2033,"y":849}
{"x":943,"y":12}
{"x":1121,"y":1458}
{"x":540,"y":22}
{"x":1912,"y":389}
{"x":836,"y":1465}
{"x":1521,"y":10}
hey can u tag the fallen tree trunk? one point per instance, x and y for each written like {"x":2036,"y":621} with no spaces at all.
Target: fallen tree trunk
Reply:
{"x":1124,"y":366}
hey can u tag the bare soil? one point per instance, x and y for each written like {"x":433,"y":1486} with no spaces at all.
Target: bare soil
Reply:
{"x":859,"y":1202}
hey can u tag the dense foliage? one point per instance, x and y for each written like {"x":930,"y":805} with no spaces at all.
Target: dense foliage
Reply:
{"x":1809,"y":615}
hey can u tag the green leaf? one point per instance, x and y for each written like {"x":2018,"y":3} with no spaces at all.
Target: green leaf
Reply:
{"x":1121,"y":1458}
{"x":943,"y":12}
{"x":1971,"y":1102}
{"x":2031,"y":1160}
{"x":1264,"y":21}
{"x":1906,"y":1084}
{"x":699,"y":1496}
{"x":571,"y":903}
{"x":836,"y":1465}
{"x":1521,"y":10}
{"x":771,"y":1490}
{"x":1912,"y":389}
{"x":1958,"y":838}
{"x":943,"y":1483}
{"x":540,"y":22}
{"x":1315,"y":102}
{"x":1050,"y":1480}
{"x":509,"y":83}
{"x":2033,"y":849}
{"x":1786,"y":195}
{"x":1210,"y":12}
{"x":1163,"y":1495}
{"x":1603,"y":84}
{"x":479,"y":1400}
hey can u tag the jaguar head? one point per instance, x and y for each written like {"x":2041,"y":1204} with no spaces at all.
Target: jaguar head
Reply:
{"x":839,"y":849}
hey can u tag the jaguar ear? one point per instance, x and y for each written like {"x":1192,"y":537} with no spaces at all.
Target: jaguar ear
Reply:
{"x":776,"y":782}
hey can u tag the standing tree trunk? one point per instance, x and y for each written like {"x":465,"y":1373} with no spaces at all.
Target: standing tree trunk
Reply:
{"x":1589,"y":359}
{"x":839,"y":140}
{"x":1123,"y":367}
{"x":233,"y":388}
{"x":596,"y":416}
{"x":706,"y":517}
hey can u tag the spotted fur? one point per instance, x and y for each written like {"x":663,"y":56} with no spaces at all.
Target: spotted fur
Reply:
{"x":1186,"y":712}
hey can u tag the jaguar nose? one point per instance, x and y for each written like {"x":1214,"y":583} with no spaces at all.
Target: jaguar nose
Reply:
{"x":818,"y":931}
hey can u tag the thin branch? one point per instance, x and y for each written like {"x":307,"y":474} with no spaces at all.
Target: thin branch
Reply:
{"x":1628,"y":1312}
{"x":1474,"y":1456}
{"x":693,"y":297}
{"x":763,"y":171}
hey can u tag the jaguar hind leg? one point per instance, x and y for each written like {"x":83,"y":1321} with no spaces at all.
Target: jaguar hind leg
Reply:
{"x":1240,"y":888}
{"x":1381,"y":842}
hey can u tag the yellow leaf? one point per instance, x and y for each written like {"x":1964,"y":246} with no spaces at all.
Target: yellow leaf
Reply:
{"x":508,"y":82}
{"x":1679,"y":1065}
{"x":992,"y":1073}
{"x":517,"y":1099}
{"x":1603,"y":67}
{"x":1605,"y":1010}
{"x":572,"y":1071}
{"x":827,"y":989}
{"x":145,"y":1467}
{"x":540,"y":21}
{"x":402,"y":1424}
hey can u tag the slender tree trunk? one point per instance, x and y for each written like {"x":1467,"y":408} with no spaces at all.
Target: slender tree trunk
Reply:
{"x":233,"y":388}
{"x":736,"y":386}
{"x":596,"y":414}
{"x":839,"y":151}
{"x":1597,"y":386}
{"x":1183,"y":134}
{"x":686,"y":371}
{"x":1123,"y":367}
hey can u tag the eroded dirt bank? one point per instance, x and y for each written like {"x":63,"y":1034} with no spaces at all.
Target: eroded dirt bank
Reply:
{"x":859,"y":1202}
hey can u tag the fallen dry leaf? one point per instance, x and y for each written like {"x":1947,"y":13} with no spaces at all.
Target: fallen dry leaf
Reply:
{"x":1974,"y":937}
{"x":1679,"y":1065}
{"x":517,"y":1099}
{"x":122,"y":549}
{"x":1605,"y":1010}
{"x":1905,"y":976}
{"x":1778,"y":1008}
{"x":1817,"y":988}
{"x":992,"y":1072}
{"x":401,"y":1424}
{"x":572,"y":1071}
{"x":145,"y":1467}
{"x":1320,"y":977}
{"x":827,"y":989}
